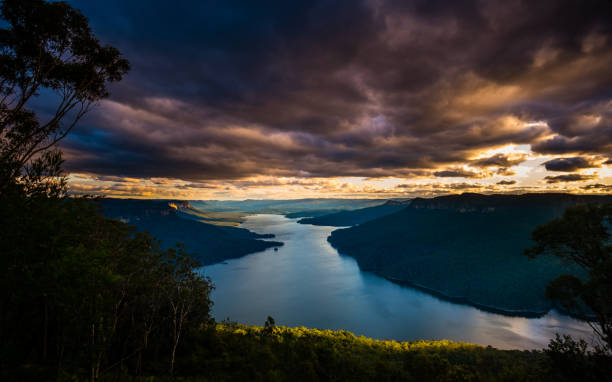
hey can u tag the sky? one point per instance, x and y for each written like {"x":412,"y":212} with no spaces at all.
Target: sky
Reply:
{"x":377,"y":99}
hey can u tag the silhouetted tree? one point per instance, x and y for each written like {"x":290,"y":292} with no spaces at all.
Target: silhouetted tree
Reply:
{"x":50,"y":47}
{"x":80,"y":294}
{"x":188,"y":297}
{"x":581,"y":235}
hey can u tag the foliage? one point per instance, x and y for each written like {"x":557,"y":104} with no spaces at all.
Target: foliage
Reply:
{"x":571,"y":360}
{"x":46,"y":47}
{"x":581,"y":236}
{"x":82,"y":292}
{"x":274,"y":353}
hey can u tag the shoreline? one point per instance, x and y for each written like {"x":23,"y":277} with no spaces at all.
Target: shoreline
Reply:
{"x":465,"y":301}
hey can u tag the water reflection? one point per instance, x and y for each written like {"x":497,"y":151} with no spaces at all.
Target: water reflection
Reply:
{"x":307,"y":283}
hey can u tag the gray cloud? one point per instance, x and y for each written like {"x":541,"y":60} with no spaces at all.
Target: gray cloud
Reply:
{"x":459,"y":173}
{"x":568,"y":178}
{"x":598,"y":187}
{"x":499,"y":160}
{"x":584,"y":128}
{"x":569,"y":164}
{"x":350,"y":88}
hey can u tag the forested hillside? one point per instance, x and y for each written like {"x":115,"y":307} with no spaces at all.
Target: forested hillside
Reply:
{"x":354,"y":217}
{"x":468,"y":248}
{"x":165,"y":220}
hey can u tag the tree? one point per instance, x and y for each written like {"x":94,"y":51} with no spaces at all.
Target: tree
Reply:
{"x":46,"y":47}
{"x":187,"y":295}
{"x":582,"y":236}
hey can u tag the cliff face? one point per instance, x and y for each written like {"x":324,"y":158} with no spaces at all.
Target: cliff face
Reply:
{"x":179,"y":204}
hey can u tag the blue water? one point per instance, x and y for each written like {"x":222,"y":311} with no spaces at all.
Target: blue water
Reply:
{"x":307,"y":283}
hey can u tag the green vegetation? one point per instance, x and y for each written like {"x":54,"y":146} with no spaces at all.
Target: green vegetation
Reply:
{"x":582,"y":236}
{"x":269,"y":353}
{"x":166,"y":221}
{"x":80,"y":294}
{"x":466,"y":247}
{"x":350,"y":218}
{"x":86,"y":295}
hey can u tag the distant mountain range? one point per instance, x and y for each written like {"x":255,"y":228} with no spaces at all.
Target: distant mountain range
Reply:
{"x":350,"y":218}
{"x":283,"y":207}
{"x":175,"y":221}
{"x":465,"y":247}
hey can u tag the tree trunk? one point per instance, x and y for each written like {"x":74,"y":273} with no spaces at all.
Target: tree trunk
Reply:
{"x":45,"y":331}
{"x":93,"y":343}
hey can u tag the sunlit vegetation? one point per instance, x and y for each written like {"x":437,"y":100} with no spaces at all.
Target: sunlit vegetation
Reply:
{"x":272,"y":353}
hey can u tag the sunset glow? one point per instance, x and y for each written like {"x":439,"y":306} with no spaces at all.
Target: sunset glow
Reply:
{"x":374,"y":100}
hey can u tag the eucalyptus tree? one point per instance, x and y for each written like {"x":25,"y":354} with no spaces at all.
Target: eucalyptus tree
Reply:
{"x":47,"y":47}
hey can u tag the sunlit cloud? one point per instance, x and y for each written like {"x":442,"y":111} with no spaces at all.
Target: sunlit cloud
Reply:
{"x":350,"y":101}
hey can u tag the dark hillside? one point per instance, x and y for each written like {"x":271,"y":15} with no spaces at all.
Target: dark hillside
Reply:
{"x":467,"y":247}
{"x":164,"y":220}
{"x":350,"y":218}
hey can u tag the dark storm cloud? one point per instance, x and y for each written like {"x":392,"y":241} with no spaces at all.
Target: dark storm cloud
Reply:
{"x":225,"y":90}
{"x":569,"y":164}
{"x":597,"y":187}
{"x":459,"y":173}
{"x":498,"y":160}
{"x":568,"y":178}
{"x":583,"y":129}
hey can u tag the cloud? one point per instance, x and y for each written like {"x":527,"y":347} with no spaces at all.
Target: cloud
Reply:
{"x":456,"y":173}
{"x":569,"y":164}
{"x":586,"y":128}
{"x":597,"y":187}
{"x":505,"y":172}
{"x":506,"y":182}
{"x":499,"y":160}
{"x":223,"y":91}
{"x":568,"y":178}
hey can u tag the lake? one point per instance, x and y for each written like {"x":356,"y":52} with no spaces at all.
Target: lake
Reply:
{"x":307,"y":283}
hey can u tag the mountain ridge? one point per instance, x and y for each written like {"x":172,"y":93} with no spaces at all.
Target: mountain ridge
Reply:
{"x":165,"y":220}
{"x":465,"y":247}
